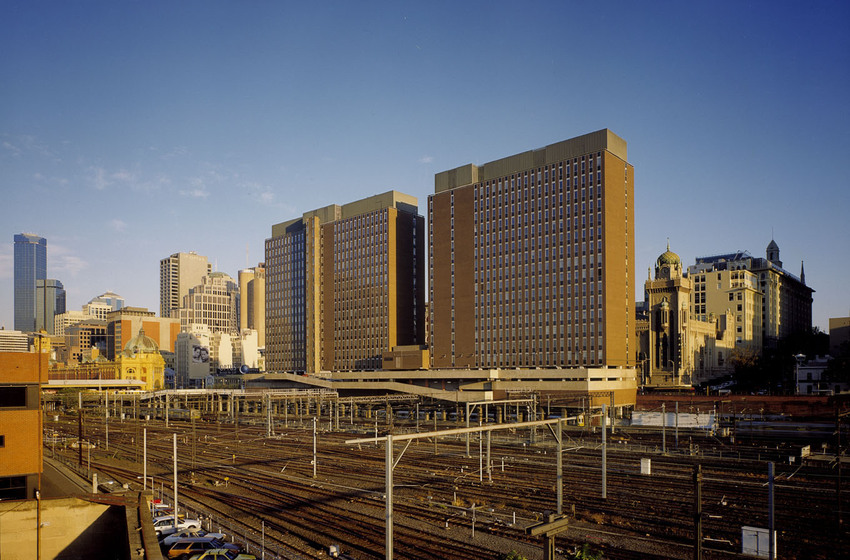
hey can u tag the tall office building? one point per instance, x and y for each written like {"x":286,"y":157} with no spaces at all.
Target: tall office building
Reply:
{"x":49,"y":302}
{"x":344,"y":284}
{"x":252,"y":307}
{"x":532,"y":259}
{"x":30,"y":267}
{"x":179,"y":273}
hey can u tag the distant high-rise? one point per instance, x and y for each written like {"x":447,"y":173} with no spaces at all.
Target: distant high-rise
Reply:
{"x":214,"y":302}
{"x":252,"y":293}
{"x":50,"y":301}
{"x":532,"y":259}
{"x":30,"y":267}
{"x":345,"y":284}
{"x":178,"y":274}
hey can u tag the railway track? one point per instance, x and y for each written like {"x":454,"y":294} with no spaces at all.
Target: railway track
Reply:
{"x":270,"y":485}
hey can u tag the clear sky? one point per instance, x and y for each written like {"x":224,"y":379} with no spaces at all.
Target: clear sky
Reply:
{"x":133,"y":130}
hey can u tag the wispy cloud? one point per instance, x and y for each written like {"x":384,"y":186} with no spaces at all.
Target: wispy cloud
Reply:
{"x":27,"y":144}
{"x":101,"y":179}
{"x":6,"y":263}
{"x":426,"y":159}
{"x":11,"y":149}
{"x":196,"y":193}
{"x":118,"y":225}
{"x":63,"y":262}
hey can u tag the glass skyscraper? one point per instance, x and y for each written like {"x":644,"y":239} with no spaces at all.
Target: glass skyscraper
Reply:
{"x":30,"y":267}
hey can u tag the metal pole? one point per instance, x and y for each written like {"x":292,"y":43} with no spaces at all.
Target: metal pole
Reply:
{"x":771,"y":538}
{"x":677,"y":424}
{"x":698,"y":512}
{"x":489,"y":462}
{"x":467,"y":433}
{"x":263,"y":548}
{"x":663,"y":429}
{"x":175,"y":480}
{"x":145,"y":461}
{"x":106,"y":419}
{"x":604,"y":454}
{"x":80,"y":432}
{"x":315,"y":438}
{"x":389,"y":498}
{"x":435,"y":429}
{"x":560,"y":474}
{"x":480,"y":457}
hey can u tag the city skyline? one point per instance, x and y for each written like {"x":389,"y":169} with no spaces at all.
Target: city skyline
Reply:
{"x":130,"y":133}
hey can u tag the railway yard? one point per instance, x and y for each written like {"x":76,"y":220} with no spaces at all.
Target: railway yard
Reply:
{"x":284,"y":481}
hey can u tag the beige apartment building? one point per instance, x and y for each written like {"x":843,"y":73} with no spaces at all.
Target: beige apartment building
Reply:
{"x":178,"y":274}
{"x":532,"y":259}
{"x":769,"y":302}
{"x":345,"y":284}
{"x":213,"y":302}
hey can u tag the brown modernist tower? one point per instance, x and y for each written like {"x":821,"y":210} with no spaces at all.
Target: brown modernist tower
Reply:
{"x":532,"y":259}
{"x":345,"y":284}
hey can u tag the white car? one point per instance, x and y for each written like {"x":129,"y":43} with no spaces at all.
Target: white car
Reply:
{"x":165,"y":525}
{"x":190,"y":533}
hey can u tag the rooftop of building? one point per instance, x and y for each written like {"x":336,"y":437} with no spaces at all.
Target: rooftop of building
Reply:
{"x":601,"y":140}
{"x":334,"y":212}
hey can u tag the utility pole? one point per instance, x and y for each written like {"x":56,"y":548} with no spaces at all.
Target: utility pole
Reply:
{"x":604,"y":454}
{"x":698,"y":512}
{"x":771,"y":537}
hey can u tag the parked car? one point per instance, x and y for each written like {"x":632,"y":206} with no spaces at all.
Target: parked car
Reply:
{"x":186,"y":548}
{"x":188,"y":534}
{"x":165,"y":525}
{"x":223,"y":554}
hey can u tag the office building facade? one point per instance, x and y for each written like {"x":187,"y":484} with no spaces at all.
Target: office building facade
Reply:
{"x":30,"y":267}
{"x":49,"y":302}
{"x":532,"y":259}
{"x":344,"y":284}
{"x":178,"y":274}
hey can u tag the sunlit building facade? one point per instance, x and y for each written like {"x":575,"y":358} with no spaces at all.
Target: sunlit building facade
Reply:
{"x":252,"y":308}
{"x":769,"y":302}
{"x":178,"y":273}
{"x":213,"y":302}
{"x":532,"y":259}
{"x":344,"y":284}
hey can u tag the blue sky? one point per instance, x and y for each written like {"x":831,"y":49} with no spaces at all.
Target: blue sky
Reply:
{"x":133,"y":130}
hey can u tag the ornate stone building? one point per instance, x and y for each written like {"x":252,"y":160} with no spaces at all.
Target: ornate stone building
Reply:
{"x":679,"y":349}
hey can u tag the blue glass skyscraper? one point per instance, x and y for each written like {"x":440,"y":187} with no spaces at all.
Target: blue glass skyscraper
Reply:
{"x":30,"y":267}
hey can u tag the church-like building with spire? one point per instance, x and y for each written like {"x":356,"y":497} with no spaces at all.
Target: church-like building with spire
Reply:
{"x":678,"y":348}
{"x":693,"y":320}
